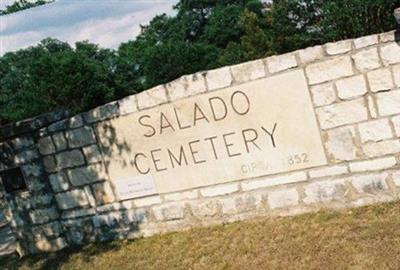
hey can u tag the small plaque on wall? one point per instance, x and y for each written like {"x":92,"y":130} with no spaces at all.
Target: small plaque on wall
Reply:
{"x":134,"y":187}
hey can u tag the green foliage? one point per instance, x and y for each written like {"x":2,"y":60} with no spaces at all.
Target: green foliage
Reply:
{"x":295,"y":24}
{"x":346,"y":19}
{"x":216,"y":31}
{"x":52,"y":75}
{"x":188,"y":58}
{"x":204,"y":34}
{"x":301,"y":23}
{"x":23,"y":4}
{"x":256,"y":40}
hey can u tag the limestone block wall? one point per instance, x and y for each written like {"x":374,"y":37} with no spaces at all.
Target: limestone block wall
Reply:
{"x":354,"y":87}
{"x":31,"y":213}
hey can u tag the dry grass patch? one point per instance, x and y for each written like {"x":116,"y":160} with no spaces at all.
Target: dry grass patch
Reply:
{"x":363,"y":238}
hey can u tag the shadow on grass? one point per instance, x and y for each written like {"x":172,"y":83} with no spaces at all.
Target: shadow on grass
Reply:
{"x":56,"y":260}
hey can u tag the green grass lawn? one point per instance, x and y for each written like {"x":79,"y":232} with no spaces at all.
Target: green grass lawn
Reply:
{"x":363,"y":238}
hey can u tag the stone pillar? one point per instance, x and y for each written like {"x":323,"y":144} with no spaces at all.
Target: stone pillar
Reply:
{"x":27,"y":199}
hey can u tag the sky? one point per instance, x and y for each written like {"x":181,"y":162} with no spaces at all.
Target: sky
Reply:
{"x":104,"y":22}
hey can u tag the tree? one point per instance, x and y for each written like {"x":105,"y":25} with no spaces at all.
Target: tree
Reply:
{"x":188,"y":58}
{"x":23,"y":4}
{"x":301,"y":23}
{"x":341,"y":19}
{"x":204,"y":34}
{"x":52,"y":75}
{"x":296,"y":24}
{"x":197,"y":38}
{"x":216,"y":31}
{"x":256,"y":40}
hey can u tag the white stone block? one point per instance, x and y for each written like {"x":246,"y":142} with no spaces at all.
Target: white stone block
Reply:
{"x":180,"y":196}
{"x":52,"y":229}
{"x":170,"y":211}
{"x":323,"y":94}
{"x":110,"y":219}
{"x":69,"y":159}
{"x":387,"y":37}
{"x":60,"y":141}
{"x":283,"y":198}
{"x":390,"y":54}
{"x":396,"y":75}
{"x":59,"y":182}
{"x":282,"y":62}
{"x":129,"y":204}
{"x":72,"y":199}
{"x":32,"y":170}
{"x":343,"y":113}
{"x":78,"y":213}
{"x":365,"y":41}
{"x":396,"y":178}
{"x":396,"y":124}
{"x":388,"y":103}
{"x":274,"y":180}
{"x":380,"y":80}
{"x":186,"y":86}
{"x":328,"y":171}
{"x":76,"y":121}
{"x":146,"y":201}
{"x":52,"y":245}
{"x":249,"y":201}
{"x":324,"y":191}
{"x":340,"y":144}
{"x":103,"y":193}
{"x":92,"y":154}
{"x":228,"y":205}
{"x":373,"y":165}
{"x":372,"y":107}
{"x":339,"y":47}
{"x":367,"y":59}
{"x":50,"y":164}
{"x":382,"y":148}
{"x":218,"y":78}
{"x":206,"y":208}
{"x":87,"y":175}
{"x":371,"y":183}
{"x":248,"y":71}
{"x":22,"y":142}
{"x":43,"y":215}
{"x":103,"y":112}
{"x":46,"y":146}
{"x":89,"y":195}
{"x":152,"y":97}
{"x":109,"y":207}
{"x":137,"y":216}
{"x":26,"y":156}
{"x":375,"y":130}
{"x":351,"y":87}
{"x":329,"y":70}
{"x":311,"y":54}
{"x":219,"y":190}
{"x":128,"y":105}
{"x":80,"y":137}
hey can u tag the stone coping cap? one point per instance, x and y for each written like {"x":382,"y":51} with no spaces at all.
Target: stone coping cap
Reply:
{"x":29,"y":125}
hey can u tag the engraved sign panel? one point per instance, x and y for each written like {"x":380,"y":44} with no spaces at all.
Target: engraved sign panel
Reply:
{"x":257,"y":128}
{"x":133,"y":187}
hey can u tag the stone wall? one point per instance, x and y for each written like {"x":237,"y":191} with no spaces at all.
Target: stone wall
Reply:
{"x":31,"y":213}
{"x":355,"y":90}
